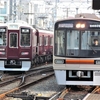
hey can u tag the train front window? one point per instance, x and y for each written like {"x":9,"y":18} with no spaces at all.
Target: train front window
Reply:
{"x":60,"y":42}
{"x":90,"y":44}
{"x":72,"y":43}
{"x":85,"y":40}
{"x":25,"y":37}
{"x":3,"y":39}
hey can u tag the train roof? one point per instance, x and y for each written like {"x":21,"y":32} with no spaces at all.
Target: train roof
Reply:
{"x":16,"y":25}
{"x":83,"y":16}
{"x":45,"y":31}
{"x":78,"y":19}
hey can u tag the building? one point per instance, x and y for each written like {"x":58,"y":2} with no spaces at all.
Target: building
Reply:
{"x":4,"y":10}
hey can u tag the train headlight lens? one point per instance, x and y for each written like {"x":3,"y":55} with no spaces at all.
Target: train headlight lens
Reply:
{"x":80,"y":25}
{"x":24,"y":53}
{"x":59,"y":61}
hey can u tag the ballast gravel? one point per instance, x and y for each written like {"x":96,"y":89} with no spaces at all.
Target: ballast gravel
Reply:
{"x":45,"y":88}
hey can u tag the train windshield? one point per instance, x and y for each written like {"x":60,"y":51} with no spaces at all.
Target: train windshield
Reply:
{"x":3,"y":39}
{"x":76,"y":43}
{"x":25,"y":37}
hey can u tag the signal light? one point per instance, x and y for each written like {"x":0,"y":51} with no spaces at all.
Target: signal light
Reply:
{"x":96,"y":4}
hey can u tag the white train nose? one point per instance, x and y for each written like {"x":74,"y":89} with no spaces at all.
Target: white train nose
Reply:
{"x":79,"y":74}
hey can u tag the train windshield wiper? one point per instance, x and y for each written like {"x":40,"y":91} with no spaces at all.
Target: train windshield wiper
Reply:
{"x":92,"y":48}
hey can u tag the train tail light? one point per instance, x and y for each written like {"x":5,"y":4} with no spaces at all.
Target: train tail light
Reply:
{"x":59,"y":61}
{"x":24,"y":53}
{"x":2,"y":53}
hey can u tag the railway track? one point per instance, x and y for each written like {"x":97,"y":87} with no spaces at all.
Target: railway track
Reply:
{"x":74,"y":93}
{"x":28,"y":79}
{"x":31,"y":78}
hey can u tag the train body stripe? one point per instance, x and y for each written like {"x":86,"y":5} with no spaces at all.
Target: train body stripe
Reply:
{"x":79,"y":61}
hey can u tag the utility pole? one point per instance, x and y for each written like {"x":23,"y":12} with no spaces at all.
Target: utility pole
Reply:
{"x":55,"y":13}
{"x":20,"y":11}
{"x":14,"y":11}
{"x":55,"y":9}
{"x":77,"y":10}
{"x":67,"y":12}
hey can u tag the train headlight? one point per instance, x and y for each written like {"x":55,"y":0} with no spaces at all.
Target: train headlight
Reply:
{"x":79,"y":25}
{"x":24,"y":53}
{"x":82,"y":25}
{"x":59,"y":61}
{"x":2,"y":53}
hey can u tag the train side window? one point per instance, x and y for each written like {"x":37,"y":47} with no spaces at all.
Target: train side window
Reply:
{"x":51,"y":41}
{"x":25,"y":37}
{"x":98,"y":33}
{"x":44,"y":40}
{"x":40,"y":40}
{"x":1,"y":40}
{"x":47,"y":40}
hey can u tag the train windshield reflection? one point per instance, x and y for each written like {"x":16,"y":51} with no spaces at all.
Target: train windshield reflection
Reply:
{"x":67,"y":43}
{"x":25,"y":39}
{"x":3,"y":39}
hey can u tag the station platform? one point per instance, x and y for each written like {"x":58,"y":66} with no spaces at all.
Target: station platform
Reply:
{"x":91,"y":96}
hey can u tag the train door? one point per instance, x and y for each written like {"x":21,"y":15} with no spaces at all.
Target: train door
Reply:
{"x":12,"y":48}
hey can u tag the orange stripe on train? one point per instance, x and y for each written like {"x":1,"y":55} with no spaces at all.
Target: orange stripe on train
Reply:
{"x":79,"y":61}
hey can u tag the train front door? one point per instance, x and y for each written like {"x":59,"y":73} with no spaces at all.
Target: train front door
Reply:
{"x":12,"y":47}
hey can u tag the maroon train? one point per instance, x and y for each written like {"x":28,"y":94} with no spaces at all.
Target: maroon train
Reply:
{"x":21,"y":46}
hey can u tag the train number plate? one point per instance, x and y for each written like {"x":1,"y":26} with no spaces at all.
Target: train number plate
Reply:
{"x":97,"y":62}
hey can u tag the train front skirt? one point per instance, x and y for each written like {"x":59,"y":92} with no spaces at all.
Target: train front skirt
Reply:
{"x":23,"y":66}
{"x":70,"y":78}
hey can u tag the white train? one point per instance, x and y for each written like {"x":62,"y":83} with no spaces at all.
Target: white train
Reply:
{"x":76,"y":55}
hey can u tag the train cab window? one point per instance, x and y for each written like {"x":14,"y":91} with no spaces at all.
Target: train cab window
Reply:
{"x":85,"y":39}
{"x":72,"y":36}
{"x":13,"y":40}
{"x":25,"y":37}
{"x":95,"y":41}
{"x":72,"y":43}
{"x":60,"y":43}
{"x":88,"y":39}
{"x":3,"y":38}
